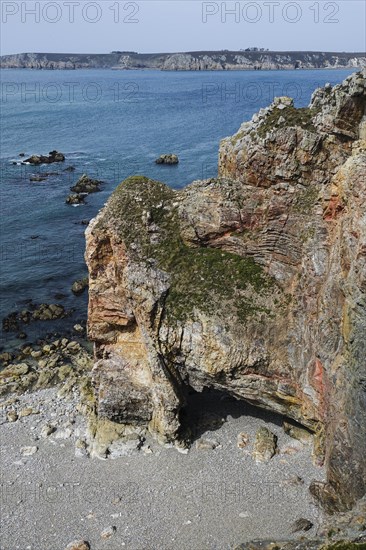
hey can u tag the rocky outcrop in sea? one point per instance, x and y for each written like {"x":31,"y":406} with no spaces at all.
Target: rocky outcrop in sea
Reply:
{"x":252,"y":284}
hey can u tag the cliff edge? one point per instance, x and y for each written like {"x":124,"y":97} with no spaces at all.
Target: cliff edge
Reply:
{"x":253,"y":284}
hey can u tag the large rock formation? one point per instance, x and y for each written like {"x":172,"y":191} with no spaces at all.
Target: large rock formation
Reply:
{"x":253,"y":283}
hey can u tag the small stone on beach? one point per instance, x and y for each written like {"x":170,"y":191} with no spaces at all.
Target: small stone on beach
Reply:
{"x":28,"y":451}
{"x":108,"y":532}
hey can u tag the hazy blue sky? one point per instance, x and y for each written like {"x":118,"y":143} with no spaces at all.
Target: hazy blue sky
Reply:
{"x":175,"y":25}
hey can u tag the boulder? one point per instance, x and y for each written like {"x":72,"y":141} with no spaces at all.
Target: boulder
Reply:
{"x":265,"y":445}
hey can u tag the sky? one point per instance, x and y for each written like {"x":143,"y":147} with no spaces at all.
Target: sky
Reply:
{"x":150,"y":26}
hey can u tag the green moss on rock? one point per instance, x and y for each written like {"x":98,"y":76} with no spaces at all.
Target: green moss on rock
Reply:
{"x":145,"y":215}
{"x":292,"y":117}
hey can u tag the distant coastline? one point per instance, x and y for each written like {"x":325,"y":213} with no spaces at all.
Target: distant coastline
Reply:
{"x":188,"y":61}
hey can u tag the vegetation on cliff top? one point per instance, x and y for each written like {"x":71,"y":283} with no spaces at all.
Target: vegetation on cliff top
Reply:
{"x":144,"y":213}
{"x":291,"y":116}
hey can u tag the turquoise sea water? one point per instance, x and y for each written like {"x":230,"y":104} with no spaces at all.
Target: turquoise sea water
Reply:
{"x":109,"y":124}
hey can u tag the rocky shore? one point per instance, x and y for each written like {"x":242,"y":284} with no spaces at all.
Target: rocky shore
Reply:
{"x":228,"y":323}
{"x":187,"y":61}
{"x":252,"y":284}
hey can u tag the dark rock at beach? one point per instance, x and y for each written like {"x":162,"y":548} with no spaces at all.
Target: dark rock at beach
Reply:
{"x":86,"y":185}
{"x":22,"y":154}
{"x":69,"y":169}
{"x":80,"y":286}
{"x":82,"y":222}
{"x":167,"y":159}
{"x":301,"y":524}
{"x":76,"y":198}
{"x":53,"y":156}
{"x":22,"y":336}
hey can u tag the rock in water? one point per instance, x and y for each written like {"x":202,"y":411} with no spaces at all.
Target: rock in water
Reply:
{"x":167,"y":159}
{"x":86,"y":185}
{"x":76,"y":198}
{"x":80,"y":285}
{"x":53,"y":156}
{"x":253,"y":283}
{"x":265,"y":445}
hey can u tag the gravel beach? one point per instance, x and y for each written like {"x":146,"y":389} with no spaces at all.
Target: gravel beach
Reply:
{"x":215,"y":496}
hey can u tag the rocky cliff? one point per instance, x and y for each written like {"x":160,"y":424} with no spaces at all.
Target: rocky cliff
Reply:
{"x":190,"y":61}
{"x":253,"y":284}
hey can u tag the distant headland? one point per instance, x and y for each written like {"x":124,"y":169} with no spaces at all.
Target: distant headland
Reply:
{"x":223,"y":60}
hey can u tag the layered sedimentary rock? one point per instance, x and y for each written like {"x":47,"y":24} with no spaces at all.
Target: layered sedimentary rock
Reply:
{"x":190,"y":61}
{"x":253,"y":284}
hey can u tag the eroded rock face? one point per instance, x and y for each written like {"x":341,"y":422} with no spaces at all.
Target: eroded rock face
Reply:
{"x":253,"y":284}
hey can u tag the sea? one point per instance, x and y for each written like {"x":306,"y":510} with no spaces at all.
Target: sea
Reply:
{"x":109,"y":125}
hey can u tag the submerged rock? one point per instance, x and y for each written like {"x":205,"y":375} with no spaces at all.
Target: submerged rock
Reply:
{"x":167,"y":159}
{"x":252,"y":283}
{"x":37,"y":178}
{"x":11,"y":322}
